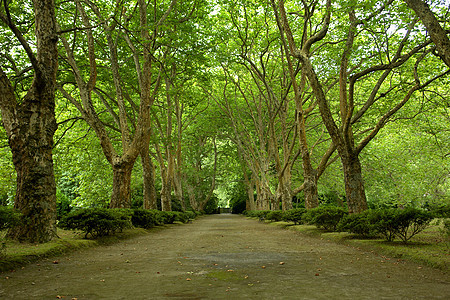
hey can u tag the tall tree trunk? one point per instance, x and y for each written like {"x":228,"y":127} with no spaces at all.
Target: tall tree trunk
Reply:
{"x":250,"y":200}
{"x":354,"y":184}
{"x":121,"y":194}
{"x":192,"y":198}
{"x":30,"y":127}
{"x":435,"y":30}
{"x":166,"y":191}
{"x":284,"y":193}
{"x":148,"y":173}
{"x":310,"y":180}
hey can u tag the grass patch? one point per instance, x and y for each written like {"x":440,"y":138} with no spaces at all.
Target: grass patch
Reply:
{"x":19,"y":254}
{"x":225,"y":275}
{"x":430,"y":247}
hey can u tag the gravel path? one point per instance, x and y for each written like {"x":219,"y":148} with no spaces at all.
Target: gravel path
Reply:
{"x":224,"y":257}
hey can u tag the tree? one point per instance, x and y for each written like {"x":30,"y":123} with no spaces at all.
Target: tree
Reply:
{"x":359,"y":25}
{"x":437,"y":33}
{"x":29,"y":121}
{"x":118,"y":32}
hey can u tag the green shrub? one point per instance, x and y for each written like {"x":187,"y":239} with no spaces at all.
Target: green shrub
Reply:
{"x":357,"y":223}
{"x":401,"y":223}
{"x":275,"y":215}
{"x":97,"y":222}
{"x":146,"y":218}
{"x":294,"y":215}
{"x":212,"y":206}
{"x":190,"y":214}
{"x":168,"y":217}
{"x":181,"y":217}
{"x":326,"y":217}
{"x":410,"y":221}
{"x":383,"y":222}
{"x":441,"y":211}
{"x":9,"y":217}
{"x":63,"y":204}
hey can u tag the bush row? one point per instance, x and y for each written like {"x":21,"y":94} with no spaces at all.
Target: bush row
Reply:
{"x":388,"y":223}
{"x":98,"y":222}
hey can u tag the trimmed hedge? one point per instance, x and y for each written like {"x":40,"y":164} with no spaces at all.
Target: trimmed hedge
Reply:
{"x":357,"y":223}
{"x":389,"y":223}
{"x":326,"y":217}
{"x":146,"y":218}
{"x":294,"y":215}
{"x":97,"y":222}
{"x":274,"y":215}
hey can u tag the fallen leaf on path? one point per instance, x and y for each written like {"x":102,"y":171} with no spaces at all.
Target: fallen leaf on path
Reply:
{"x":188,"y":279}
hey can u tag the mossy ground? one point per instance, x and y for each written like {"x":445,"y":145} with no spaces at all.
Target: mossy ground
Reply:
{"x":17,"y":254}
{"x":430,"y":247}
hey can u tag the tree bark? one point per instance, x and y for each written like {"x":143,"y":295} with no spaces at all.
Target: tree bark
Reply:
{"x":148,"y":171}
{"x":354,"y":184}
{"x":121,"y":194}
{"x":30,"y":126}
{"x":284,"y":192}
{"x":437,"y":33}
{"x":250,"y":200}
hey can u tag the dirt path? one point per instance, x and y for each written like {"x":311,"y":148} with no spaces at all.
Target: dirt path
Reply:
{"x":224,"y":257}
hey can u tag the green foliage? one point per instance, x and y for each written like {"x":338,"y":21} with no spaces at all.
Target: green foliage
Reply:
{"x":275,"y":215}
{"x":97,"y":222}
{"x":357,"y":223}
{"x":329,"y":198}
{"x":410,"y":221}
{"x":212,"y":205}
{"x":441,"y":210}
{"x":190,"y":214}
{"x":168,"y":217}
{"x":383,"y":222}
{"x":260,"y":214}
{"x":9,"y":217}
{"x":146,"y":218}
{"x":238,"y":197}
{"x":326,"y":217}
{"x":390,"y":223}
{"x":63,"y":204}
{"x":294,"y":215}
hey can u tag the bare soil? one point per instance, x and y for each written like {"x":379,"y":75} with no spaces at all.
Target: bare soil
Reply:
{"x":224,"y":257}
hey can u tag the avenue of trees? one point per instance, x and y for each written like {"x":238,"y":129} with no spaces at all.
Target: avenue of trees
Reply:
{"x":187,"y":105}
